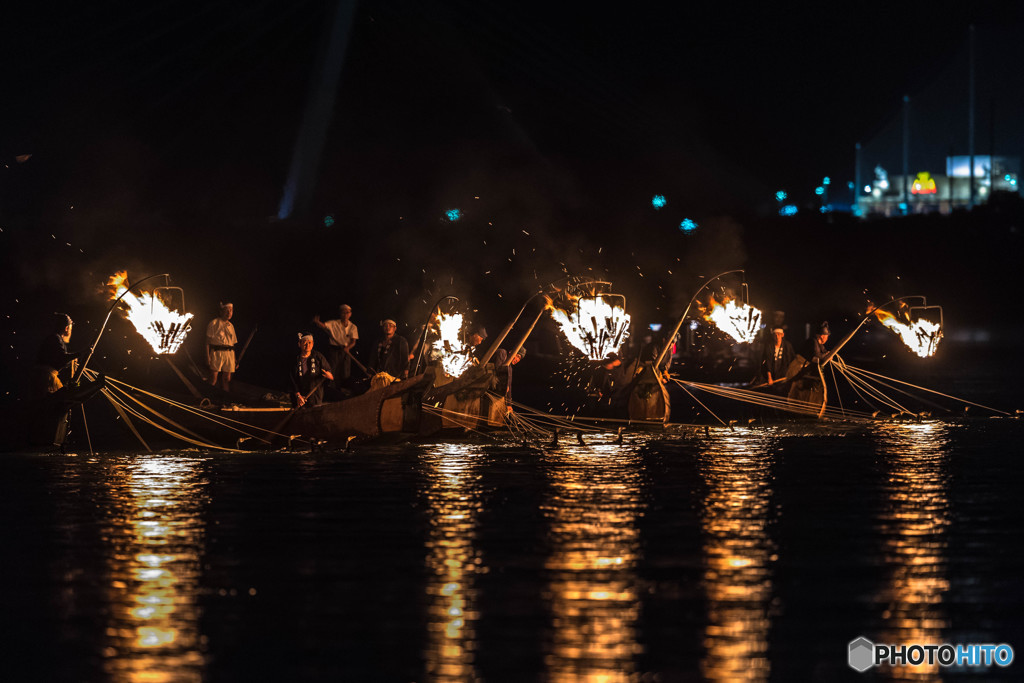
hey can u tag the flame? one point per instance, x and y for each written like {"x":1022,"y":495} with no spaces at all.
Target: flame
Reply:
{"x":921,"y":336}
{"x":739,"y":322}
{"x":454,"y":354}
{"x":163,"y":328}
{"x":597,"y":328}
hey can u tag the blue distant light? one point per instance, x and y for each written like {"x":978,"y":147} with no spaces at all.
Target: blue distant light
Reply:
{"x":826,"y":181}
{"x":781,"y":196}
{"x":819,"y":190}
{"x":453,"y":214}
{"x":328,"y":220}
{"x":658,"y":201}
{"x":687,"y":225}
{"x":788,"y":210}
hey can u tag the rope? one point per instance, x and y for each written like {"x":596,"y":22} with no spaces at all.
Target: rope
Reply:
{"x":164,"y":429}
{"x":554,"y":420}
{"x":690,"y":394}
{"x":225,"y":422}
{"x":930,"y":391}
{"x":839,"y":396}
{"x":453,"y":416}
{"x":876,"y":392}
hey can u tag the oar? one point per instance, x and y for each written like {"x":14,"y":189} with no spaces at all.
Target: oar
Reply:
{"x":356,"y":361}
{"x":288,"y":416}
{"x":238,"y":361}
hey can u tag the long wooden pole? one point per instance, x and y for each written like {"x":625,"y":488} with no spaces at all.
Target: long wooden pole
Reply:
{"x":508,"y":328}
{"x":668,"y":341}
{"x":508,"y":358}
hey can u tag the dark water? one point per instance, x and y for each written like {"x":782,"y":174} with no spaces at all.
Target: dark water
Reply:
{"x":732,"y":555}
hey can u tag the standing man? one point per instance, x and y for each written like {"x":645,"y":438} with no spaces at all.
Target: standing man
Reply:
{"x":309,"y":373}
{"x":344,"y":334}
{"x":777,"y":357}
{"x":220,"y":347}
{"x":475,"y":341}
{"x":391,"y":355}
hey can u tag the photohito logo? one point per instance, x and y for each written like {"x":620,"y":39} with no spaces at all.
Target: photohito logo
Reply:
{"x":863,"y":654}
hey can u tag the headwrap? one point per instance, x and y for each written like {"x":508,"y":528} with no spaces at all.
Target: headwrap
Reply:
{"x":61,"y":321}
{"x":823,"y":328}
{"x":345,"y":307}
{"x":386,"y":321}
{"x":778,"y":329}
{"x":303,"y":337}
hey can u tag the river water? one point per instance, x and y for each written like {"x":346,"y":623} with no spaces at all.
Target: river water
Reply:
{"x":725,"y":555}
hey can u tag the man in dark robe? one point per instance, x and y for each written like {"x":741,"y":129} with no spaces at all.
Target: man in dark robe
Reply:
{"x":391,"y":354}
{"x":308,"y":374}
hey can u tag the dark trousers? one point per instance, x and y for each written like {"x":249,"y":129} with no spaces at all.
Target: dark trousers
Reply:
{"x":341,"y":363}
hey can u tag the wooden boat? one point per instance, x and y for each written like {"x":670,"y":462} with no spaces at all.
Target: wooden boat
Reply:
{"x":423,"y":405}
{"x":474,"y":400}
{"x":649,"y":399}
{"x":389,"y":410}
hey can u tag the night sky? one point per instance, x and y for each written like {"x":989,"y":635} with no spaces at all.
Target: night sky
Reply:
{"x":161,"y":135}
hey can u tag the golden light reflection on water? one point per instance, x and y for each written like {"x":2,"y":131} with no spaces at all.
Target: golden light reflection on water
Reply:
{"x":738,"y":552}
{"x":914,"y":527}
{"x":154,"y":534}
{"x":593,"y":505}
{"x":452,"y":493}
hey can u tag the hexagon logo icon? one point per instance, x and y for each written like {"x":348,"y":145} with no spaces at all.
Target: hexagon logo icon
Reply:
{"x":861,"y":656}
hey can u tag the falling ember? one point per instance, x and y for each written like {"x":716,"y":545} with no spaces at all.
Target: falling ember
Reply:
{"x":739,"y":322}
{"x":164,"y":329}
{"x":597,"y":327}
{"x":921,"y":336}
{"x":454,"y":354}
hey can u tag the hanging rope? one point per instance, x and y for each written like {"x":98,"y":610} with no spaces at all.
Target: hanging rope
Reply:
{"x":690,"y":394}
{"x":196,"y":439}
{"x":930,"y":391}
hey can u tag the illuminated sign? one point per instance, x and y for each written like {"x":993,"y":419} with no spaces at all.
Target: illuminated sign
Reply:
{"x":923,"y":184}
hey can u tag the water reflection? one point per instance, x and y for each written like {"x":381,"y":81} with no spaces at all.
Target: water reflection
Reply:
{"x":154,"y":535}
{"x":452,"y":493}
{"x":913,"y":526}
{"x":593,"y":504}
{"x":738,"y":551}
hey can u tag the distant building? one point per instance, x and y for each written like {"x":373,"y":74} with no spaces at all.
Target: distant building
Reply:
{"x":929,"y":192}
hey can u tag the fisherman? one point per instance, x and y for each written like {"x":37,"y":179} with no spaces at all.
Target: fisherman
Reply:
{"x":220,"y":347}
{"x":50,"y":417}
{"x":53,"y":356}
{"x":806,"y":385}
{"x":475,"y":341}
{"x":604,"y":378}
{"x":814,"y":350}
{"x":309,"y":372}
{"x":776,"y":357}
{"x":343,"y":337}
{"x":391,"y":354}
